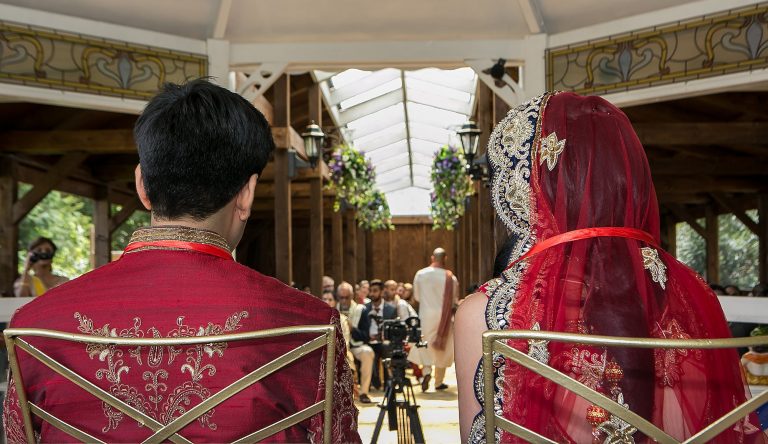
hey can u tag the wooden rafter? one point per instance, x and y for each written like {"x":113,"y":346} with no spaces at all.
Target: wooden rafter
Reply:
{"x":703,"y":133}
{"x":110,"y":141}
{"x":725,"y":202}
{"x":125,"y":212}
{"x":681,"y":213}
{"x":54,"y":176}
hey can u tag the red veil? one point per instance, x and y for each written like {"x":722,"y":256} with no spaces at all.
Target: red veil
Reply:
{"x":562,"y":163}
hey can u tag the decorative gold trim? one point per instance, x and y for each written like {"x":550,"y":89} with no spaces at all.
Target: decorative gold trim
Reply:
{"x":654,"y":265}
{"x":176,"y":233}
{"x":326,"y":339}
{"x":495,"y":341}
{"x":550,"y":150}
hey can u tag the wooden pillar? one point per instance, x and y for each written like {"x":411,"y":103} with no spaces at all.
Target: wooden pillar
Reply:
{"x":316,"y":216}
{"x":485,"y":250}
{"x":316,"y":249}
{"x":101,"y":236}
{"x":337,"y":247}
{"x":671,"y":234}
{"x":762,"y":208}
{"x":9,"y":231}
{"x":362,"y":253}
{"x":350,"y":247}
{"x":466,"y":269}
{"x":469,"y":244}
{"x":713,"y":247}
{"x":283,"y":219}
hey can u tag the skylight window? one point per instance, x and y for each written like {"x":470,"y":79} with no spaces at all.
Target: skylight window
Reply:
{"x":400,"y":119}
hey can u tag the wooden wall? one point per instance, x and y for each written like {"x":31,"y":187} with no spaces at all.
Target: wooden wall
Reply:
{"x":400,"y":253}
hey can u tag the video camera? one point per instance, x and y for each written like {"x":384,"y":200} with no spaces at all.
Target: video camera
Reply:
{"x":396,"y":331}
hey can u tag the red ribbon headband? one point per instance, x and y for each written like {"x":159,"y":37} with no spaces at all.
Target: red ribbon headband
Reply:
{"x":587,"y":233}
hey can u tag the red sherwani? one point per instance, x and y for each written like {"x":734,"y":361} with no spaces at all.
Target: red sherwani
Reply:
{"x":157,"y":291}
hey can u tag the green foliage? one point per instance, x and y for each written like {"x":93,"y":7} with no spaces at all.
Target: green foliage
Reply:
{"x":451,"y":188}
{"x":122,"y":235}
{"x":67,"y":220}
{"x":353,"y":178}
{"x":738,"y":250}
{"x":691,"y":248}
{"x":373,"y":212}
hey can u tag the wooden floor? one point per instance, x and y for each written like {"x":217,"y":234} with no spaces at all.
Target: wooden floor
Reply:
{"x":439,"y":413}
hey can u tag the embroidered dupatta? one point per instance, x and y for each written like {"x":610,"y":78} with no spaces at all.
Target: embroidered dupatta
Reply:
{"x":561,"y":163}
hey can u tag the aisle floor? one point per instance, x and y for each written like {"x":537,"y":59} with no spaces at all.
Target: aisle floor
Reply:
{"x":439,"y":413}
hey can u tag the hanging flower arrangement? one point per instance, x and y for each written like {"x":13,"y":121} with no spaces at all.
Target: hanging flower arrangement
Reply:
{"x":451,"y":187}
{"x":353,"y":179}
{"x":373,"y":212}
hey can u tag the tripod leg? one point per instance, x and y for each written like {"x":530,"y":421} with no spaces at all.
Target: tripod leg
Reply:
{"x":380,"y":420}
{"x":413,"y":414}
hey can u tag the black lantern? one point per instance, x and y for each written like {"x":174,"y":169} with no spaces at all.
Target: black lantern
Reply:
{"x":469,"y":134}
{"x":313,"y":142}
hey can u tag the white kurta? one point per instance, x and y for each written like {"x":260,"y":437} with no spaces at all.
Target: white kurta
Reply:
{"x":428,"y":289}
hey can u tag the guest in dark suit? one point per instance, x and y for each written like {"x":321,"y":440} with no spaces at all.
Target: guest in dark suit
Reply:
{"x":375,"y":313}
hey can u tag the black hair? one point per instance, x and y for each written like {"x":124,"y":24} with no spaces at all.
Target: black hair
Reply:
{"x":376,"y":283}
{"x":198,"y":145}
{"x":40,"y":241}
{"x":332,"y":293}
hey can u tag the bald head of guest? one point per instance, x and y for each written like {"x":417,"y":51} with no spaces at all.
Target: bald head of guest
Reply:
{"x":438,"y":256}
{"x":389,"y":290}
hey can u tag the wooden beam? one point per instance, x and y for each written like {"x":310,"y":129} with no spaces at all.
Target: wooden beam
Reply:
{"x":350,"y":246}
{"x":671,"y":235}
{"x":703,"y":133}
{"x":125,"y":212}
{"x":55,"y":175}
{"x":362,"y":253}
{"x":59,"y":142}
{"x":316,"y":248}
{"x":283,"y":220}
{"x":9,"y":230}
{"x":485,"y":252}
{"x":713,"y":246}
{"x":337,"y":246}
{"x":107,"y":141}
{"x":762,"y":209}
{"x":743,"y":184}
{"x":101,"y":245}
{"x":683,"y":215}
{"x":722,"y":167}
{"x":725,"y":202}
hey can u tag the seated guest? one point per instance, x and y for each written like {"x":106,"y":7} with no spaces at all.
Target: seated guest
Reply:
{"x":38,"y":262}
{"x":361,"y":292}
{"x":377,"y":312}
{"x":390,"y":296}
{"x":358,"y":338}
{"x":201,"y":150}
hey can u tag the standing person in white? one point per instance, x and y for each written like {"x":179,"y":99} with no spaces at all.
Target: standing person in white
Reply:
{"x":437,"y":290}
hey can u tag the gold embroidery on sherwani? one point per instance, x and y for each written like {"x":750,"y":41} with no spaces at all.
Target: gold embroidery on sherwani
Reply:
{"x":654,"y":265}
{"x":176,"y":233}
{"x":154,"y":398}
{"x":550,"y":150}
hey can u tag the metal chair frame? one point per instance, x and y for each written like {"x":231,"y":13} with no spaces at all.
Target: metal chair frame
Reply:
{"x":494,"y":341}
{"x":14,"y":337}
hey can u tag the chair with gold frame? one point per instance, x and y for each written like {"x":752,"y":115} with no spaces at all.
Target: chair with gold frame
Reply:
{"x":14,"y":337}
{"x":494,"y":341}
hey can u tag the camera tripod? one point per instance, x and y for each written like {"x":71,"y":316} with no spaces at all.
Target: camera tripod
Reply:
{"x":403,"y":413}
